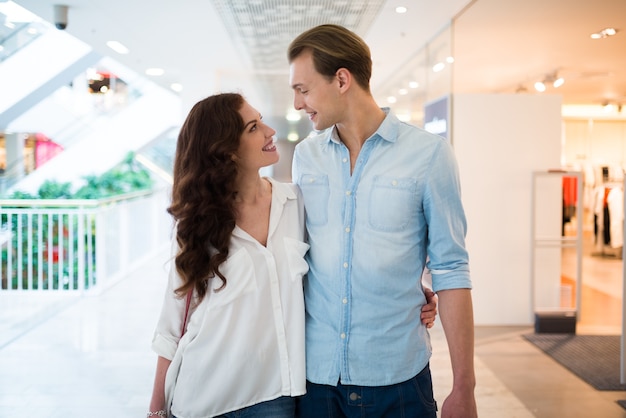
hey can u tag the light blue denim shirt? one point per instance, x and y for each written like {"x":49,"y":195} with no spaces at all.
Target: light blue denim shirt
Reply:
{"x":371,"y":234}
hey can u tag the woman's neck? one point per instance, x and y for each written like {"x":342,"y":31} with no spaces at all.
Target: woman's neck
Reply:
{"x":252,"y":190}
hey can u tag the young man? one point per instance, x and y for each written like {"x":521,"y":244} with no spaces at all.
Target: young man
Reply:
{"x":383,"y":203}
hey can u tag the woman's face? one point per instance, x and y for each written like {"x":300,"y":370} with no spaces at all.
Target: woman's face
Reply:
{"x":256,"y":146}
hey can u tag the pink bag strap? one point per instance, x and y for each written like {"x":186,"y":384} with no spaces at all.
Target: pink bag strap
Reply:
{"x":182,"y":331}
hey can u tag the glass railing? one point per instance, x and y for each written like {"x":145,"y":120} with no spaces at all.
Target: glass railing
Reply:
{"x":78,"y":245}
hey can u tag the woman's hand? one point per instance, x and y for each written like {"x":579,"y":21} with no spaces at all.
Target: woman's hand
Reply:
{"x":429,"y":311}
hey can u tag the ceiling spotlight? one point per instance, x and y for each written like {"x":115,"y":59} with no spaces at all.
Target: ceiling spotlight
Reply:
{"x":155,"y":71}
{"x":540,"y":86}
{"x":439,"y":67}
{"x":604,"y":33}
{"x":608,"y":107}
{"x":293,"y":115}
{"x":549,"y":79}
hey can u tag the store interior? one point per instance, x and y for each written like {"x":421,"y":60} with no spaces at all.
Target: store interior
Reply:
{"x":595,"y":148}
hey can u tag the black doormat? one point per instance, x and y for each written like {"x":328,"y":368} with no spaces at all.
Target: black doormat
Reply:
{"x":593,"y":358}
{"x":622,"y":403}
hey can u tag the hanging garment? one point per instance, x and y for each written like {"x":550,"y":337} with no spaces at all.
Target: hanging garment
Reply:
{"x":615,"y":207}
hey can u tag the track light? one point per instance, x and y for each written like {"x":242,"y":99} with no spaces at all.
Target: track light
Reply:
{"x":552,"y":79}
{"x":604,"y":33}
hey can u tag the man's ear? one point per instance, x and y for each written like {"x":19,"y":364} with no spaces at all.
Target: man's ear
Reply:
{"x":344,"y":77}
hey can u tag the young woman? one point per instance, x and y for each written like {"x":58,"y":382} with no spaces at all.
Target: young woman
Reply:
{"x":239,"y":251}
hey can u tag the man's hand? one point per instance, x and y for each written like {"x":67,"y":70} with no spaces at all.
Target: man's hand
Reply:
{"x":429,"y":311}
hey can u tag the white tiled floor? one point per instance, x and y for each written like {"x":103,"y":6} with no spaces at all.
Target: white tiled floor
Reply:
{"x":91,"y":357}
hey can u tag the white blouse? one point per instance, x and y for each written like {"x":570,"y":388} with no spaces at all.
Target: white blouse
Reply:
{"x":245,"y":343}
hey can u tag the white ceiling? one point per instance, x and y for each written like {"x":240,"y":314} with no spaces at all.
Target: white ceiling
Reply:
{"x":498,"y":45}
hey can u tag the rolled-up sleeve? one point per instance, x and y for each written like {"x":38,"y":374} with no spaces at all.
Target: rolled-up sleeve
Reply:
{"x":169,"y":326}
{"x":447,"y":227}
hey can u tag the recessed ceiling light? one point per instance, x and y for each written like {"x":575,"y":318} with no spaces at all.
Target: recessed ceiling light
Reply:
{"x":293,"y":115}
{"x":391,"y":99}
{"x":414,"y":84}
{"x":438,"y":67}
{"x":401,"y":9}
{"x":155,"y":71}
{"x":177,"y":87}
{"x":118,"y":47}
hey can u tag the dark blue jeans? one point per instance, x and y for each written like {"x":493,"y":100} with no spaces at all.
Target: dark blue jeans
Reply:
{"x":410,"y":399}
{"x":283,"y":407}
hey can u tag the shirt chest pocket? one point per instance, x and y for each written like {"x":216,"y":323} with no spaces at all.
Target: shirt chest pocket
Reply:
{"x":241,"y":279}
{"x":393,"y":203}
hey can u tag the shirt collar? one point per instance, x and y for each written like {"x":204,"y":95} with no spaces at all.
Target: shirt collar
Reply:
{"x":388,"y":129}
{"x":280,"y":192}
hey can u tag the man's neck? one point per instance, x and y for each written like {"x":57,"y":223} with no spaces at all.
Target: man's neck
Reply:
{"x":359,"y":125}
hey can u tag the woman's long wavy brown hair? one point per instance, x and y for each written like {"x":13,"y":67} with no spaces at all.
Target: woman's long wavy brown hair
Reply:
{"x":204,"y":189}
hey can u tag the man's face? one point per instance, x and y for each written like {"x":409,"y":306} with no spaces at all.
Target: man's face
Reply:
{"x":313,"y":93}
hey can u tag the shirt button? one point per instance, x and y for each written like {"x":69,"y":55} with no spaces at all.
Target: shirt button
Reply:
{"x":354,"y":396}
{"x":343,"y":335}
{"x":348,"y":192}
{"x":345,"y":160}
{"x":348,"y":229}
{"x":395,"y":182}
{"x":344,"y":300}
{"x":345,"y":265}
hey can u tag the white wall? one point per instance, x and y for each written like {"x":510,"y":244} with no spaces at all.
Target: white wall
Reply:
{"x":594,"y":141}
{"x":499,"y":141}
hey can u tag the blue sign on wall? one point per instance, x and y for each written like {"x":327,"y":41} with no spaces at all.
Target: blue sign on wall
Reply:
{"x":436,"y":117}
